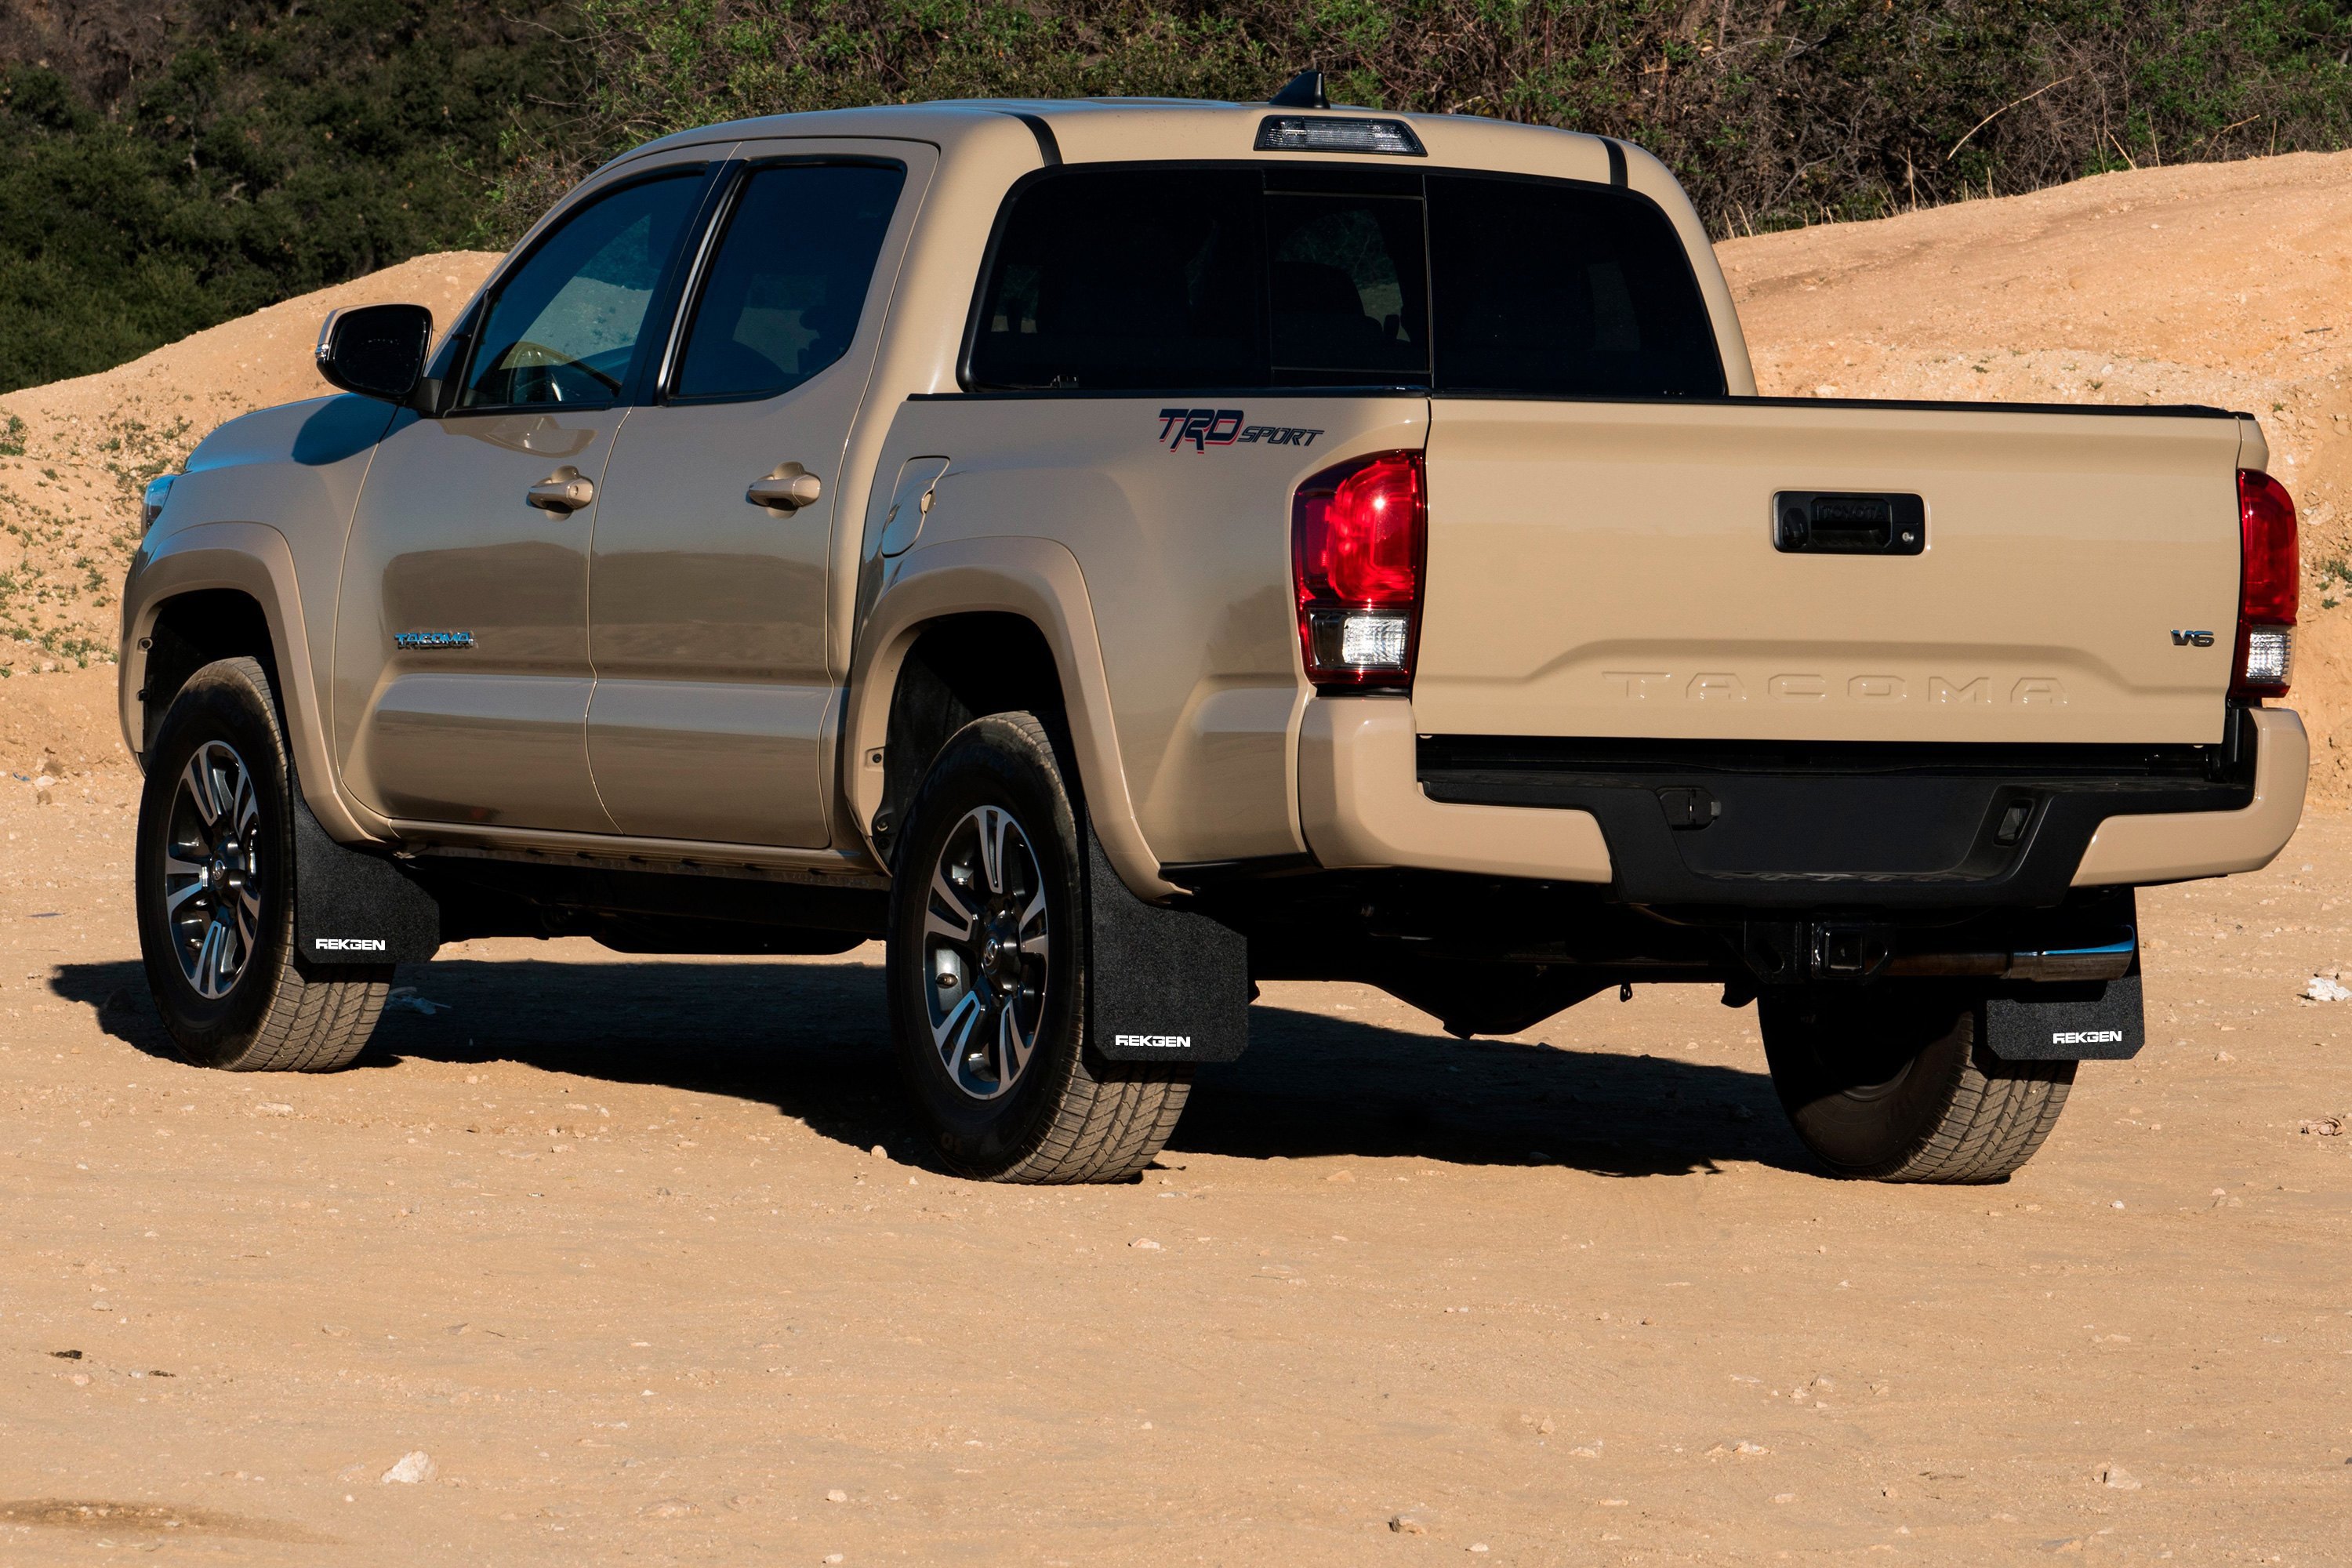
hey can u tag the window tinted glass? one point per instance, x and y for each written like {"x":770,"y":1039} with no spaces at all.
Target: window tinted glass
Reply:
{"x":565,"y":325}
{"x":785,"y":289}
{"x":1344,"y":281}
{"x":1121,"y":279}
{"x":1552,"y":289}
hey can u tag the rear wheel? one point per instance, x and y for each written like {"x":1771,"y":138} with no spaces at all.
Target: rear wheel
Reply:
{"x":214,"y":892}
{"x":1898,"y":1085}
{"x":988,"y":971}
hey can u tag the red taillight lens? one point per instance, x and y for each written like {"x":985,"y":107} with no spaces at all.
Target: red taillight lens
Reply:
{"x":2269,"y":588}
{"x":1358,"y":536}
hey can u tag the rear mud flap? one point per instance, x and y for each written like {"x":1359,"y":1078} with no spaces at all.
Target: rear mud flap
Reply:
{"x":2097,"y":1021}
{"x":1162,"y":985}
{"x":352,"y":907}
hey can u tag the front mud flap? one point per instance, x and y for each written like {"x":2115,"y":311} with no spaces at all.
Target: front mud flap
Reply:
{"x":353,"y":907}
{"x":1162,"y":985}
{"x":2092,"y":1021}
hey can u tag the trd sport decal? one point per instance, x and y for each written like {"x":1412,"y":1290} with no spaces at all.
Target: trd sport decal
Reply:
{"x":1207,"y":427}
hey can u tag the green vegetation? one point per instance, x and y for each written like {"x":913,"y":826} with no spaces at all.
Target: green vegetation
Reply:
{"x":154,"y":185}
{"x":160,"y":172}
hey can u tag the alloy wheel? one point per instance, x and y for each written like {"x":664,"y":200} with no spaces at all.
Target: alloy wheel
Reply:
{"x":213,"y":870}
{"x":986,"y":949}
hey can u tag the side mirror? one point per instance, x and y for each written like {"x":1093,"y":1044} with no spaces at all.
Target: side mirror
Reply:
{"x":376,"y":351}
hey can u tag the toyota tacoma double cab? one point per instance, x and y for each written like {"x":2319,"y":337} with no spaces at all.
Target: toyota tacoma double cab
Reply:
{"x":1117,"y":552}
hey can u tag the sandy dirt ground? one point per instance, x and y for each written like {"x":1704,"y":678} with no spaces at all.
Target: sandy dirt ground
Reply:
{"x":632,"y":1252}
{"x":611,"y":1243}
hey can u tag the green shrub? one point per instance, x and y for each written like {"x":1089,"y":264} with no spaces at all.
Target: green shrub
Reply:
{"x":218,"y":154}
{"x":1773,"y":113}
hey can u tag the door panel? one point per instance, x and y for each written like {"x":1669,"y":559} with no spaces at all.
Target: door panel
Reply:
{"x":461,"y":660}
{"x":708,"y":612}
{"x":716,"y":760}
{"x":483,"y":722}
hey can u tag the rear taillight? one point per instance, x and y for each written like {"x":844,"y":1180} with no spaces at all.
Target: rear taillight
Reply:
{"x":1358,"y":536}
{"x":2270,"y":577}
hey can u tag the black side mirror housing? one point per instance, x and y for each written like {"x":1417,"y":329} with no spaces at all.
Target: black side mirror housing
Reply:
{"x":376,"y":351}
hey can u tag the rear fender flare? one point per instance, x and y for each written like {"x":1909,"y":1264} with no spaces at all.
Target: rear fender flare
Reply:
{"x":1039,"y":580}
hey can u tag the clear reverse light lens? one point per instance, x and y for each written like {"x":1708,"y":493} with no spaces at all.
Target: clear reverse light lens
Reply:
{"x":1328,"y":133}
{"x":1373,"y":640}
{"x":1360,"y":639}
{"x":2269,"y":656}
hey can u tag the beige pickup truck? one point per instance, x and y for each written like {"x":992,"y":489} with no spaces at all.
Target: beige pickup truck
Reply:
{"x":1117,"y":552}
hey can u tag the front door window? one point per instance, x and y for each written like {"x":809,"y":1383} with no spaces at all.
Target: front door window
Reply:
{"x":564,"y":326}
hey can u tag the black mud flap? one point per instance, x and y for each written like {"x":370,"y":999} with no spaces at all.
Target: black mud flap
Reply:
{"x":352,"y":907}
{"x":1162,"y":985}
{"x":2096,"y":1021}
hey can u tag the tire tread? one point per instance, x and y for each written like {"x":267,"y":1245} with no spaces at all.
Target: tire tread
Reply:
{"x":319,"y":1017}
{"x":1105,"y":1121}
{"x":1999,"y":1116}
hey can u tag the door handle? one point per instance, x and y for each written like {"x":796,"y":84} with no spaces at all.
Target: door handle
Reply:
{"x":789,"y":488}
{"x":564,"y":492}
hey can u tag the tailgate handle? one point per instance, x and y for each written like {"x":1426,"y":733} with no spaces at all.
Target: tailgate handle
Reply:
{"x":1845,"y":522}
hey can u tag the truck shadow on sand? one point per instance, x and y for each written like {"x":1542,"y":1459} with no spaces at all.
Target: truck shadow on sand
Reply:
{"x":812,"y":1039}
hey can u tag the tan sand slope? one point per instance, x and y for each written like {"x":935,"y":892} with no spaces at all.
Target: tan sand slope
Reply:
{"x":2209,"y":283}
{"x":2223,"y":284}
{"x":74,"y":455}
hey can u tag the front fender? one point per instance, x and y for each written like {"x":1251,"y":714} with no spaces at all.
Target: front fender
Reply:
{"x":255,"y":560}
{"x":1038,"y":580}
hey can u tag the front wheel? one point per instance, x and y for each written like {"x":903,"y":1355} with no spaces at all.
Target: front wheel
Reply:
{"x":214,"y":892}
{"x":988,"y":968}
{"x":1892,"y":1084}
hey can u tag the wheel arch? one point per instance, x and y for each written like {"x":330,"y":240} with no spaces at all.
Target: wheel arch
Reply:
{"x":219,"y":591}
{"x":974,"y":626}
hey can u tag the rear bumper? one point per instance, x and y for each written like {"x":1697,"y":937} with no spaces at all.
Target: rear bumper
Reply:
{"x":2172,"y":846}
{"x":1838,"y":827}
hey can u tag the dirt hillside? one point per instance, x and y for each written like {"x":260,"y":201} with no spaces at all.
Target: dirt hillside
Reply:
{"x":75,"y":455}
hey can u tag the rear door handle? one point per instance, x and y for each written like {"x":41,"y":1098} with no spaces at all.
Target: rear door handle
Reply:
{"x":789,"y":488}
{"x":564,"y":492}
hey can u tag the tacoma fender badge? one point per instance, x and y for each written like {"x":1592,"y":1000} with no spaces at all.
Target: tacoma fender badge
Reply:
{"x":432,"y":639}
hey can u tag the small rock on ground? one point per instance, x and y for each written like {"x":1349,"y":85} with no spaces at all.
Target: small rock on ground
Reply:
{"x":411,"y":1468}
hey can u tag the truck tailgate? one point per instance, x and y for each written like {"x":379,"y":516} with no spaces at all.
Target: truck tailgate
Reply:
{"x":1610,"y":570}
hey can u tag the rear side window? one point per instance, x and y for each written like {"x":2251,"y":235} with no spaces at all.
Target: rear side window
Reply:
{"x":1194,"y":279}
{"x":1126,"y":280}
{"x":1563,"y":290}
{"x":789,"y":280}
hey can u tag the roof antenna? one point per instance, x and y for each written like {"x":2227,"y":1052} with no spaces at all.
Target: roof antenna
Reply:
{"x":1304,"y":91}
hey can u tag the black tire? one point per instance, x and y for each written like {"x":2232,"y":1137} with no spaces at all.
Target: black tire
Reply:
{"x":1897,"y":1085}
{"x":971,"y":980}
{"x":214,"y":896}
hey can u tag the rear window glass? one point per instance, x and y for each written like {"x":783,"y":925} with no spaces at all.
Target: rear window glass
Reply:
{"x":1191,"y":279}
{"x":1548,"y":288}
{"x":1348,"y":289}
